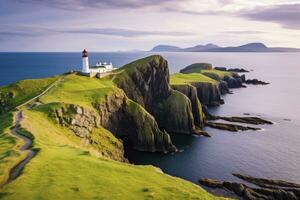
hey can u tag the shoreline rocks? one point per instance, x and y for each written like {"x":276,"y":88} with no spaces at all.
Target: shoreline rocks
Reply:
{"x":237,"y":70}
{"x":267,"y":189}
{"x":255,"y":82}
{"x":230,"y":127}
{"x":245,"y":120}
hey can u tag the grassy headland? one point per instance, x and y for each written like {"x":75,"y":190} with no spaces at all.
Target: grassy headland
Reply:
{"x":71,"y":167}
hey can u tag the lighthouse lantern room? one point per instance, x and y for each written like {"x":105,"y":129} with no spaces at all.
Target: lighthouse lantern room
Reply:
{"x":85,"y":62}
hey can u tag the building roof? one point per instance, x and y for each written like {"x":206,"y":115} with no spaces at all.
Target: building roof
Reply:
{"x":96,"y":67}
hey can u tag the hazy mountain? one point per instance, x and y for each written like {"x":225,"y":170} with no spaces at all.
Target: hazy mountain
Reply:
{"x":251,"y":47}
{"x":202,"y":47}
{"x":166,"y":48}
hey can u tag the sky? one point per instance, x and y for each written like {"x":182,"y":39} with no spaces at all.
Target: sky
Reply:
{"x":121,"y":25}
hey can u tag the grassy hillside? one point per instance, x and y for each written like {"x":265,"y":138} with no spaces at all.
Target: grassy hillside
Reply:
{"x":80,"y":90}
{"x":181,"y":79}
{"x":64,"y":169}
{"x":17,"y":93}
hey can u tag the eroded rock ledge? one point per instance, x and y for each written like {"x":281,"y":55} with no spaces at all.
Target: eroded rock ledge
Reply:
{"x":230,"y":127}
{"x":267,"y":189}
{"x":246,"y":120}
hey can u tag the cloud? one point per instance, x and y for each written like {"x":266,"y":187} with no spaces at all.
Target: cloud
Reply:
{"x":31,"y":31}
{"x":287,"y":15}
{"x":100,"y":4}
{"x":126,"y":32}
{"x":25,"y":31}
{"x":243,"y":32}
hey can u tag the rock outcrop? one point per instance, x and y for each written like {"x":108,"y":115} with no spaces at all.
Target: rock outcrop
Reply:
{"x":233,"y":81}
{"x":146,"y":81}
{"x":125,"y":119}
{"x":246,"y":120}
{"x":237,"y":70}
{"x":230,"y":127}
{"x":191,"y":92}
{"x":255,"y":82}
{"x":268,"y":189}
{"x":209,"y":94}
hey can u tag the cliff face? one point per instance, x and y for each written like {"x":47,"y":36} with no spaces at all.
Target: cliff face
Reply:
{"x":191,"y":92}
{"x":135,"y":126}
{"x":209,"y":94}
{"x":175,"y":114}
{"x":146,"y":82}
{"x":233,"y":80}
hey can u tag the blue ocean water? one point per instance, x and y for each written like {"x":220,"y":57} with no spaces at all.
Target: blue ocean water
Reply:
{"x":271,"y":153}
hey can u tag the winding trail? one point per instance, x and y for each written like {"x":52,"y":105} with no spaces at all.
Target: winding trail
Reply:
{"x":16,"y":171}
{"x":41,"y":94}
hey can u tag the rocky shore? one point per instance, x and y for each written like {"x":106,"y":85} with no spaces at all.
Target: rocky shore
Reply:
{"x":237,"y":70}
{"x":255,"y":82}
{"x":230,"y":127}
{"x":266,"y":189}
{"x":246,"y":120}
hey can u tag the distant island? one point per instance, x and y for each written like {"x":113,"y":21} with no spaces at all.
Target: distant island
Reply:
{"x":251,"y":47}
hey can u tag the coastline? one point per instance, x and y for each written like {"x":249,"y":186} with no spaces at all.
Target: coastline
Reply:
{"x":225,"y":104}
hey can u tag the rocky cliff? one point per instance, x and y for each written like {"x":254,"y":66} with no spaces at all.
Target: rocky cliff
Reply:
{"x":191,"y":92}
{"x":124,"y":118}
{"x":209,"y":94}
{"x":146,"y":81}
{"x":233,"y":80}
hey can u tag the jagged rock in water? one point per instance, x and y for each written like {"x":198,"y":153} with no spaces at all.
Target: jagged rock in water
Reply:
{"x":211,"y":183}
{"x":267,"y":182}
{"x":255,"y":82}
{"x":283,"y":190}
{"x":246,"y":120}
{"x":230,"y":127}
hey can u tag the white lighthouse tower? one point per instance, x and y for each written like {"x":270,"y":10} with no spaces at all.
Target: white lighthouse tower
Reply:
{"x":85,"y":62}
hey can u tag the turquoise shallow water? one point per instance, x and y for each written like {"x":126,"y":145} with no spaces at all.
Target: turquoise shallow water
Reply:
{"x":272,"y":153}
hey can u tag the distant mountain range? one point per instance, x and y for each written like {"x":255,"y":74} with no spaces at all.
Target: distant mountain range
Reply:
{"x":251,"y":47}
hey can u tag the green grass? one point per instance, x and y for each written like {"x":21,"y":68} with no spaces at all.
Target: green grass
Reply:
{"x":80,"y":90}
{"x":181,"y":79}
{"x":196,"y":68}
{"x":138,"y":64}
{"x":106,"y":143}
{"x":63,"y":169}
{"x":219,"y":73}
{"x":26,"y":89}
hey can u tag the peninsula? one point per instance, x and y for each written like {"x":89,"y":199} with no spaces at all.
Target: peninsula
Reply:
{"x":78,"y":126}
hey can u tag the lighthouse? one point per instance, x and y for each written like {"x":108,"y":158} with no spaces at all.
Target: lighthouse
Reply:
{"x":85,"y":62}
